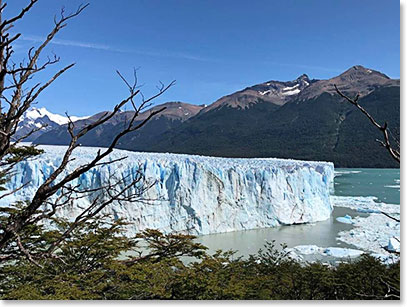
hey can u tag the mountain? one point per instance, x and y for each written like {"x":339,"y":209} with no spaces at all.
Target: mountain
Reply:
{"x":274,"y":92}
{"x":301,"y":119}
{"x":35,"y":118}
{"x":356,"y":80}
{"x":312,"y":124}
{"x":174,"y":114}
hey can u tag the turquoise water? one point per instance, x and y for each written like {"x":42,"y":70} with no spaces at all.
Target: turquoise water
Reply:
{"x":382,"y":183}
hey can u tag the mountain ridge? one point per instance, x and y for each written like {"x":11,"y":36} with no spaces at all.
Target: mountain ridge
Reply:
{"x":261,"y":120}
{"x":175,"y":112}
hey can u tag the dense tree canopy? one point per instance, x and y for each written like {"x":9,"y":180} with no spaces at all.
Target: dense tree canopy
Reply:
{"x":98,"y":262}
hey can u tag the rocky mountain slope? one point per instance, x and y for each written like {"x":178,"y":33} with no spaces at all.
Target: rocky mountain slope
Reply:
{"x":274,"y":92}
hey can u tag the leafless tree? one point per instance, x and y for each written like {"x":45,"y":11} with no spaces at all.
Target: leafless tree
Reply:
{"x":393,"y":151}
{"x":17,"y":94}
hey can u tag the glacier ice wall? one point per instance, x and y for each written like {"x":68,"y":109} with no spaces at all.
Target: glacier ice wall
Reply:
{"x":203,"y":194}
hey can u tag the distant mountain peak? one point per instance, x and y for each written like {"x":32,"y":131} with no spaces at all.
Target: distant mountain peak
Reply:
{"x":42,"y":119}
{"x":359,"y":71}
{"x":273,"y":91}
{"x":303,"y":77}
{"x":38,"y":113}
{"x":174,"y":109}
{"x":355,"y":80}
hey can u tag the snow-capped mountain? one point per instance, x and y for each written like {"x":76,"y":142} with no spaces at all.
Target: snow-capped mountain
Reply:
{"x":42,"y":119}
{"x":281,"y":92}
{"x":38,"y":113}
{"x":275,"y":92}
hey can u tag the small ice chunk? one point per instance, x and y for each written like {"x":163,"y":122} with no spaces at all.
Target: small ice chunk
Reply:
{"x":307,"y":249}
{"x":347,"y":219}
{"x":294,"y":256}
{"x":394,"y":245}
{"x":340,"y":252}
{"x":386,"y":259}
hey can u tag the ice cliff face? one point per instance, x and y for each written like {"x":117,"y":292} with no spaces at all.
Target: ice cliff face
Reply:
{"x":203,"y":194}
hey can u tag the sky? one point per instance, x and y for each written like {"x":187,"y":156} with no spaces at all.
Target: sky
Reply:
{"x":211,"y":48}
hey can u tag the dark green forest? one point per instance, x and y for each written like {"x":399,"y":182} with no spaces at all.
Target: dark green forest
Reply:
{"x":94,"y":263}
{"x":324,"y":128}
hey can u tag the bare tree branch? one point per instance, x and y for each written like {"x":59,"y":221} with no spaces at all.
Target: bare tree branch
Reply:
{"x":26,"y":252}
{"x":57,"y":191}
{"x":395,"y":153}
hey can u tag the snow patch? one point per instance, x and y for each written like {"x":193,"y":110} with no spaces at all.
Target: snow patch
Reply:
{"x":265,"y":92}
{"x":290,"y":93}
{"x":290,"y":88}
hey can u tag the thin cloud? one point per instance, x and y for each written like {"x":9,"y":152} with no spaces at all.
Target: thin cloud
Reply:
{"x":311,"y":67}
{"x":64,"y":42}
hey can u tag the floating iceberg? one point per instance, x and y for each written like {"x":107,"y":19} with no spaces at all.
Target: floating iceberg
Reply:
{"x":306,"y":249}
{"x":340,"y":252}
{"x":202,"y":194}
{"x":347,"y":219}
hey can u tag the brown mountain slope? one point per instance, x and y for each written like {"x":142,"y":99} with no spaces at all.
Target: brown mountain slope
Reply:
{"x":356,"y":80}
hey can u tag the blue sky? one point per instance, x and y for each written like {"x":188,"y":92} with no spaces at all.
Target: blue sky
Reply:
{"x":211,"y":47}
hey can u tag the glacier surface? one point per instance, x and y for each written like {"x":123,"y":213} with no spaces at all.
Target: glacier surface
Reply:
{"x":200,"y":194}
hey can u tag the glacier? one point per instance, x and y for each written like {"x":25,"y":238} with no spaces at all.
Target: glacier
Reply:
{"x":198,"y":194}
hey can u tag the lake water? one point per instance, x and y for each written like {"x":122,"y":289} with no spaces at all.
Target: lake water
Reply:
{"x":382,"y":183}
